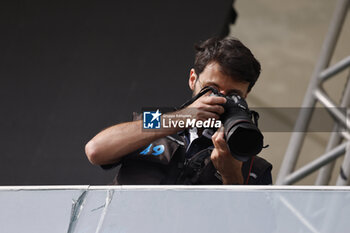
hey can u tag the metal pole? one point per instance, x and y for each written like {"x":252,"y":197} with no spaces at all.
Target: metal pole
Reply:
{"x":314,"y":165}
{"x":324,"y":175}
{"x":331,"y":107}
{"x":325,"y":172}
{"x":333,"y":70}
{"x":304,"y":117}
{"x":344,"y":176}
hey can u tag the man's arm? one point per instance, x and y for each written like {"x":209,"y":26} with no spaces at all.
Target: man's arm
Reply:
{"x":110,"y":145}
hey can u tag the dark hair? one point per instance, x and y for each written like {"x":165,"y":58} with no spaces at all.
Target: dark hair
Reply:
{"x":235,"y":59}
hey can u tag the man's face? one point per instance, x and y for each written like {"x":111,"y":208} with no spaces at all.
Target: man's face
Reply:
{"x":212,"y":76}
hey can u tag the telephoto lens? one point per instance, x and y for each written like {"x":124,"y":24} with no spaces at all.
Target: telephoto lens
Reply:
{"x":242,"y":133}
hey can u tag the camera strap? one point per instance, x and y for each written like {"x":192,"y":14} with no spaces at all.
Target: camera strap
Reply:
{"x":255,"y":116}
{"x":194,"y":167}
{"x":194,"y":98}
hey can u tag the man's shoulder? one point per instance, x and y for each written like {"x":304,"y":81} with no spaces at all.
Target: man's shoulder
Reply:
{"x":261,"y":162}
{"x":260,"y":172}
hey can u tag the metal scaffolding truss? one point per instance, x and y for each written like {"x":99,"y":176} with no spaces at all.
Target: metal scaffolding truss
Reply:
{"x":339,"y":142}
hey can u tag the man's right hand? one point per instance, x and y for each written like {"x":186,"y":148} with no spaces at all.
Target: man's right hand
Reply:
{"x":205,"y":107}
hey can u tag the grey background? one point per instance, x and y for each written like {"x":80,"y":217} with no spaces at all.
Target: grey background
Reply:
{"x":68,"y":69}
{"x":286,"y":36}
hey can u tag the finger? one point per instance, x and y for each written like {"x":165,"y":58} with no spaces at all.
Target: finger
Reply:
{"x":214,"y":108}
{"x":220,"y":144}
{"x":205,"y":115}
{"x":214,"y":100}
{"x":221,"y":132}
{"x":219,"y":141}
{"x":214,"y":135}
{"x":214,"y":155}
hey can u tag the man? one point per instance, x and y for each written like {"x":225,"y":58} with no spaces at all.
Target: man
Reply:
{"x":162,"y":156}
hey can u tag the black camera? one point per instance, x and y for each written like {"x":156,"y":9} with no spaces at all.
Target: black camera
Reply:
{"x":240,"y":127}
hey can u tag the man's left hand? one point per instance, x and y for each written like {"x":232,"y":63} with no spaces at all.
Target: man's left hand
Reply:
{"x":229,"y":167}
